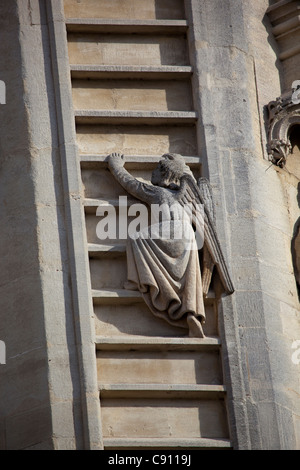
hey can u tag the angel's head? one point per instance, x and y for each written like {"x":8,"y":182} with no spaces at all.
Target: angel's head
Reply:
{"x":169,"y":170}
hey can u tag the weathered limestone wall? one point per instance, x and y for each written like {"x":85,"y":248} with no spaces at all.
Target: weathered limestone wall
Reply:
{"x":257,"y":208}
{"x":41,"y":404}
{"x":276,"y":199}
{"x":25,"y":395}
{"x":53,"y":267}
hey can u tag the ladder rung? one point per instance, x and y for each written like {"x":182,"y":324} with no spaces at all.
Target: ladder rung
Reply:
{"x":133,"y":161}
{"x":91,"y":205}
{"x":99,"y":251}
{"x":95,"y":25}
{"x":86,"y":116}
{"x":112,"y":296}
{"x":155,"y":343}
{"x":164,"y":72}
{"x":188,"y":391}
{"x":161,"y":443}
{"x":116,"y":296}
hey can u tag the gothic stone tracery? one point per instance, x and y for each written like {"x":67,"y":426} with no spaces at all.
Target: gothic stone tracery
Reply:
{"x":283,"y":116}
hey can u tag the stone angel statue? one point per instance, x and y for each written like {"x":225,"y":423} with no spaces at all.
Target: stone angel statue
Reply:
{"x":166,"y":269}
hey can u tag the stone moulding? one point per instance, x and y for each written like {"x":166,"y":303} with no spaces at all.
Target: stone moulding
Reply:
{"x":283,"y":116}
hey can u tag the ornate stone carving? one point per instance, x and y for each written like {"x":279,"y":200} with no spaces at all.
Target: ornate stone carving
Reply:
{"x":283,"y":115}
{"x":166,"y":269}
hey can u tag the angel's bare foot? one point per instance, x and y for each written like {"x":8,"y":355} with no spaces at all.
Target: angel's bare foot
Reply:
{"x":195,"y":327}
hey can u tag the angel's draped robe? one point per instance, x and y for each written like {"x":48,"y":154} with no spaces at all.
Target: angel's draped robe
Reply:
{"x":165,"y":270}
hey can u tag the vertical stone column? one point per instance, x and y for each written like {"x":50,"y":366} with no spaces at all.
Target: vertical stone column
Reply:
{"x":251,"y":215}
{"x":25,"y":417}
{"x":50,"y":387}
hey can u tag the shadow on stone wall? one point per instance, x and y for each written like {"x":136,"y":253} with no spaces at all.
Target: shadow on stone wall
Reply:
{"x":273,"y":44}
{"x":295,"y":247}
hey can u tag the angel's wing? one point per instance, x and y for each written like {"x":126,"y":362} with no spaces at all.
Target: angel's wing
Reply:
{"x":207,"y":260}
{"x":192,"y":194}
{"x":207,"y":197}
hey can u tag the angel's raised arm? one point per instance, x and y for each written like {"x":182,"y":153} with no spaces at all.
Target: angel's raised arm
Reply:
{"x":145,"y":192}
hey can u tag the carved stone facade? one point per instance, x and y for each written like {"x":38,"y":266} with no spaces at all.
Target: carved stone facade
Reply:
{"x":88,"y":365}
{"x":284,"y":118}
{"x":283,"y":127}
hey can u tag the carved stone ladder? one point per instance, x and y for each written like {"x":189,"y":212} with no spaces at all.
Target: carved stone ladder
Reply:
{"x":132,"y":92}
